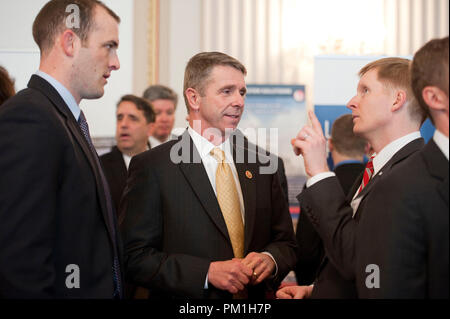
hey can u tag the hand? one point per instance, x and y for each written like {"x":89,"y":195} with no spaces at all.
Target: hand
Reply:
{"x":311,"y":143}
{"x":262,"y":265}
{"x":231,"y":275}
{"x":294,"y":292}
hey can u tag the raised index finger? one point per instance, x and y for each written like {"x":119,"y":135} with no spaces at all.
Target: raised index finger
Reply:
{"x":315,"y":123}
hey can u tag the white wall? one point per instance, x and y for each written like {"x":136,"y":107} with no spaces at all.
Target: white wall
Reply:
{"x":183,"y":27}
{"x":20,"y":56}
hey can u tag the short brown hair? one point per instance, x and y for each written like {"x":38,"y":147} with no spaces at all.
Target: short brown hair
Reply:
{"x":200,"y":66}
{"x":51,"y":20}
{"x":141,"y":104}
{"x":430,"y":68}
{"x":160,"y":92}
{"x":344,"y":140}
{"x":6,"y":85}
{"x":395,"y":73}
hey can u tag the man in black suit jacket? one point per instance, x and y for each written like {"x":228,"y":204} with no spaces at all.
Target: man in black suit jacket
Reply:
{"x":347,"y":151}
{"x":134,"y":124}
{"x":58,"y":233}
{"x":415,"y":257}
{"x":181,"y":237}
{"x":387,"y":115}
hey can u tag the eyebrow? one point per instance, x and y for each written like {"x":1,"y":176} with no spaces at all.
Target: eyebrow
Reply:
{"x":232,"y":87}
{"x":113,"y":43}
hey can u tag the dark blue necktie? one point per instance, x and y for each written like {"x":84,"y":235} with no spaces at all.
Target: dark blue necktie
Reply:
{"x":116,"y":267}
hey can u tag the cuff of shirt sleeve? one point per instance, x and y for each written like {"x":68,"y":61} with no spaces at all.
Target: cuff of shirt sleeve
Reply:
{"x":276,"y":266}
{"x":317,"y":178}
{"x":206,"y":282}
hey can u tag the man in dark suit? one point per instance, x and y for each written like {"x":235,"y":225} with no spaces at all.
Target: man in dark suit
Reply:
{"x":58,"y":233}
{"x":387,"y":115}
{"x":347,"y":151}
{"x":134,"y":124}
{"x":202,"y":219}
{"x":415,"y":254}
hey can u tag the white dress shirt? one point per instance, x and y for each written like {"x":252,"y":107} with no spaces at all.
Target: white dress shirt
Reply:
{"x":126,"y":159}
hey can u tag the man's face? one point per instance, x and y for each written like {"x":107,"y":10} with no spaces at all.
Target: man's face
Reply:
{"x":132,"y":129}
{"x":371,"y":107}
{"x":165,"y":118}
{"x":222,"y":104}
{"x":97,"y":57}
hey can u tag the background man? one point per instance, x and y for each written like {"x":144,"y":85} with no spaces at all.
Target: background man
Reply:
{"x":387,"y":115}
{"x":58,"y":236}
{"x":134,"y":123}
{"x":347,"y":151}
{"x":6,"y":85}
{"x":164,"y":101}
{"x":206,"y":225}
{"x":415,"y":253}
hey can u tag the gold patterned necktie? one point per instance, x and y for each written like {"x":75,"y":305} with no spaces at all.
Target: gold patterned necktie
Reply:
{"x":228,"y":199}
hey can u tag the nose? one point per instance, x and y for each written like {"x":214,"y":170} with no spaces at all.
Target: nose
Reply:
{"x":352,"y":104}
{"x":239,"y":100}
{"x":163,"y":117}
{"x":114,"y":63}
{"x":123,"y":123}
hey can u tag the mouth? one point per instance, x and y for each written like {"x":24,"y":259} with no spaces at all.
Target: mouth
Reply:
{"x":124,"y":136}
{"x":233,"y":116}
{"x":106,"y":76}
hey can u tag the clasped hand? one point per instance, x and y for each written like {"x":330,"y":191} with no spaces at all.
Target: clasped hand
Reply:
{"x":234,"y":275}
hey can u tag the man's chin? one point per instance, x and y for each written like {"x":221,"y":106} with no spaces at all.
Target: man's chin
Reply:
{"x":94,"y":95}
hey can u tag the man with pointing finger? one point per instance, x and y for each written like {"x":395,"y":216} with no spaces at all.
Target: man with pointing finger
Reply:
{"x":387,"y":115}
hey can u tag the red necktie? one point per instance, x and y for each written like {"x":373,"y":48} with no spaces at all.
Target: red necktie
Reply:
{"x":368,"y":172}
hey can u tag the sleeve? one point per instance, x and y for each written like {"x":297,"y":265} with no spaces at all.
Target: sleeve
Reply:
{"x":29,"y":168}
{"x":326,"y":206}
{"x":142,"y":233}
{"x":310,"y":251}
{"x":282,"y":246}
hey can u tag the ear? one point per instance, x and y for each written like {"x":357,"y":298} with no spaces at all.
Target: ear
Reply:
{"x":435,"y":98}
{"x":193,"y":98}
{"x":68,"y":41}
{"x":150,"y":128}
{"x":400,"y":100}
{"x":330,"y":144}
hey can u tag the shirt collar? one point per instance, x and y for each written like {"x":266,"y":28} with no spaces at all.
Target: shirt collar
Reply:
{"x":204,"y":146}
{"x":63,"y":92}
{"x":442,"y":142}
{"x":389,"y":150}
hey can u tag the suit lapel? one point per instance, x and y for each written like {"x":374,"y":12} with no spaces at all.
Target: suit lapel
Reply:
{"x":246,"y":173}
{"x":70,"y":123}
{"x":196,"y":176}
{"x":119,"y":165}
{"x":355,"y":187}
{"x":403,"y":153}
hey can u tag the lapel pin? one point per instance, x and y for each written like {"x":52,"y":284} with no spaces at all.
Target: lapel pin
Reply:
{"x":248,"y":174}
